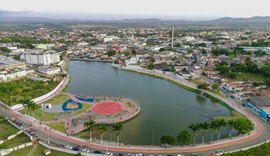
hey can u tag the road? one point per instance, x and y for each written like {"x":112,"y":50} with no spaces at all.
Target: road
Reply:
{"x":48,"y":135}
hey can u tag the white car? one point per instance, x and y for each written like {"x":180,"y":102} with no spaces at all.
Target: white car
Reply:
{"x":109,"y":153}
{"x":69,"y":147}
{"x":85,"y":150}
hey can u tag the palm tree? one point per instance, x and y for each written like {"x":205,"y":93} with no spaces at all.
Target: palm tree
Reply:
{"x":29,"y":105}
{"x":213,"y":126}
{"x":230,"y":124}
{"x":204,"y":126}
{"x":221,"y":123}
{"x":101,"y":129}
{"x":90,"y":125}
{"x":117,"y":127}
{"x":195,"y":129}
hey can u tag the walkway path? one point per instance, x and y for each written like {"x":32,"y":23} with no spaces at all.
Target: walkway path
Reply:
{"x":146,"y":149}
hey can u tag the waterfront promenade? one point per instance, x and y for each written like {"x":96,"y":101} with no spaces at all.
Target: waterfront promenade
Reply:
{"x":112,"y":146}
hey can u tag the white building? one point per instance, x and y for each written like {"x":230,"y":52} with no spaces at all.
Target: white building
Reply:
{"x":12,"y":74}
{"x":49,"y":70}
{"x":38,"y":57}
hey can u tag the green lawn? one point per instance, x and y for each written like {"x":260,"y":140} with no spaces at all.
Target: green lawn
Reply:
{"x":58,"y":99}
{"x":36,"y":151}
{"x":44,"y":116}
{"x":250,"y":76}
{"x":234,"y":115}
{"x":12,"y":92}
{"x":18,"y":140}
{"x":58,"y":126}
{"x":6,"y":129}
{"x":262,"y":150}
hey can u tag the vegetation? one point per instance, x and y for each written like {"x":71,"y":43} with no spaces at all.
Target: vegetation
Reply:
{"x":58,"y":126}
{"x":23,"y":40}
{"x":167,"y":140}
{"x":13,"y":92}
{"x":5,"y":49}
{"x":117,"y":127}
{"x":36,"y":151}
{"x":18,"y":140}
{"x":29,"y":105}
{"x":45,"y":116}
{"x":262,"y":150}
{"x":111,"y":52}
{"x":58,"y":99}
{"x":101,"y":128}
{"x":184,"y":138}
{"x":6,"y":129}
{"x":218,"y":52}
{"x":203,"y":86}
{"x":90,"y":125}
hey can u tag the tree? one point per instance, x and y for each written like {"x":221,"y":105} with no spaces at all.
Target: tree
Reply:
{"x":214,"y":126}
{"x":260,"y":53}
{"x":203,"y":86}
{"x":5,"y":49}
{"x":111,"y":52}
{"x":230,"y":124}
{"x":243,"y":125}
{"x":90,"y":125}
{"x":195,"y":129}
{"x":117,"y":127}
{"x":204,"y":52}
{"x":203,"y":126}
{"x":29,"y":105}
{"x":134,"y":52}
{"x":221,"y":123}
{"x":184,"y":138}
{"x":267,"y":81}
{"x":215,"y":86}
{"x":167,"y":139}
{"x":101,"y":129}
{"x":232,"y":75}
{"x":150,"y":66}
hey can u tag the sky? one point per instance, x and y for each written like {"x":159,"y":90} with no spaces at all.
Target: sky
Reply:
{"x":155,"y":8}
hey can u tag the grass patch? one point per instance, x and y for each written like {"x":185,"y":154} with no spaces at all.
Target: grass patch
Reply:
{"x":250,"y":76}
{"x":58,"y":126}
{"x":58,"y":99}
{"x":234,"y":115}
{"x":214,"y":99}
{"x":18,"y":140}
{"x":262,"y":150}
{"x":45,"y":116}
{"x":36,"y":151}
{"x":12,"y":92}
{"x":6,"y":129}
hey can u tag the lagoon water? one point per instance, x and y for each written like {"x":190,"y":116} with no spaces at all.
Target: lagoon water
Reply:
{"x":166,"y":109}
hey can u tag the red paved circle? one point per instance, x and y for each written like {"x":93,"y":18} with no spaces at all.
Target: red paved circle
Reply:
{"x":107,"y":108}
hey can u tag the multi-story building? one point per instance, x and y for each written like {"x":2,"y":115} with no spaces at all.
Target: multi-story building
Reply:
{"x":37,"y":57}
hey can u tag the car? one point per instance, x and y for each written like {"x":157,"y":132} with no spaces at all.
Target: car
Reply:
{"x":97,"y":152}
{"x":180,"y":154}
{"x":219,"y":151}
{"x":68,"y":147}
{"x":109,"y":153}
{"x":139,"y":154}
{"x":86,"y":150}
{"x":120,"y":154}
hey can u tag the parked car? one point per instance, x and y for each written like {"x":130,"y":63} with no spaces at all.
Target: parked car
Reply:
{"x":219,"y":151}
{"x":68,"y":147}
{"x":86,"y":150}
